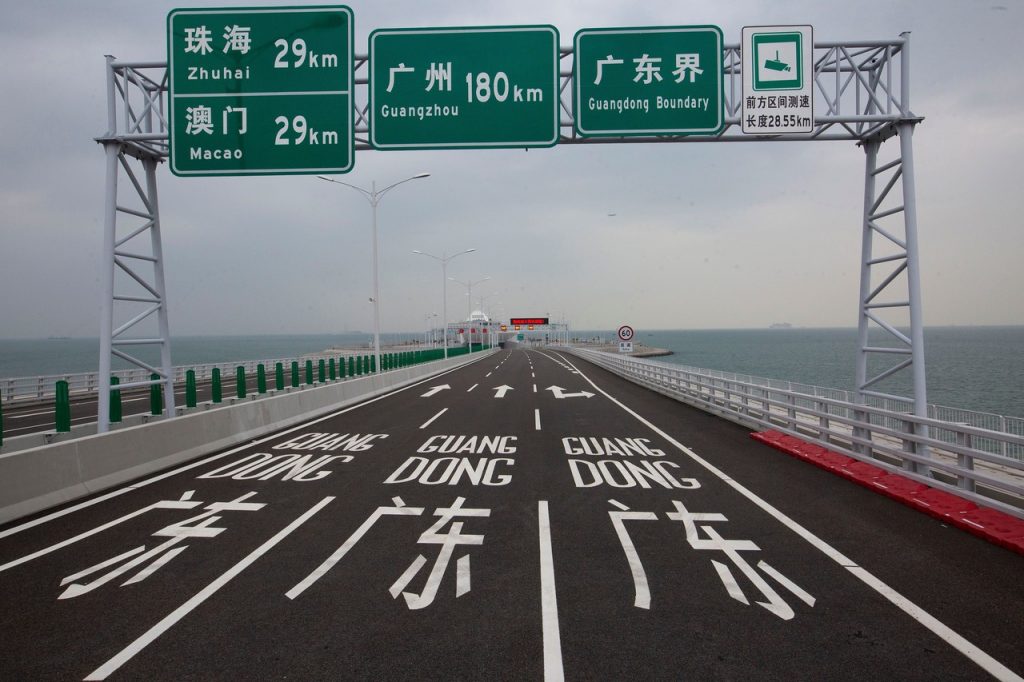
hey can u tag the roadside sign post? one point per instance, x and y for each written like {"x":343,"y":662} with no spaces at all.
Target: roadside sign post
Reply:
{"x":625,"y":334}
{"x":464,"y":88}
{"x":260,"y":91}
{"x":648,"y":81}
{"x":778,"y":79}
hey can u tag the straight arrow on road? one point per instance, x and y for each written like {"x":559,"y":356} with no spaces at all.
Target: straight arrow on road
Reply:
{"x":435,"y":390}
{"x":500,"y":391}
{"x":560,"y":393}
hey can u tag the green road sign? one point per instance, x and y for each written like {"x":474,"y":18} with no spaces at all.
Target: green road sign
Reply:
{"x":648,"y":81}
{"x":457,"y":88}
{"x":260,"y":91}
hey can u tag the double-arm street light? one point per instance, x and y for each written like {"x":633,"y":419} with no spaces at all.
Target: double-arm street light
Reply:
{"x":469,"y":292}
{"x":443,"y":259}
{"x":374,"y":197}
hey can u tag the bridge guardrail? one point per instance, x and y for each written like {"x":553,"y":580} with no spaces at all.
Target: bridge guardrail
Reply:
{"x":981,"y":464}
{"x":38,"y":388}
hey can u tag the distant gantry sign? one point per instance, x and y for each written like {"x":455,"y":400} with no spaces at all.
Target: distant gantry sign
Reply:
{"x":524,"y":321}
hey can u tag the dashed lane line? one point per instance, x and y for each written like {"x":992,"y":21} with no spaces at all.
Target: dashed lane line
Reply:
{"x":429,"y":421}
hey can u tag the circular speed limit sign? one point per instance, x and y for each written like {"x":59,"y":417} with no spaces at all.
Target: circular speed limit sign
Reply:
{"x":625,"y":332}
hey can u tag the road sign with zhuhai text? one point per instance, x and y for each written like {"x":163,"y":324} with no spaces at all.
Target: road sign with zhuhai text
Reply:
{"x":648,"y":81}
{"x":260,"y":91}
{"x":458,"y":88}
{"x":778,"y":79}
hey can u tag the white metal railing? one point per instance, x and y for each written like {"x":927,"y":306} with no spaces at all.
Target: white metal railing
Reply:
{"x":979,"y":463}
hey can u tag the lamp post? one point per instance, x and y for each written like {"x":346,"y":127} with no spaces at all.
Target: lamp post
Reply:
{"x":469,"y":293}
{"x":443,"y":260}
{"x":374,"y":197}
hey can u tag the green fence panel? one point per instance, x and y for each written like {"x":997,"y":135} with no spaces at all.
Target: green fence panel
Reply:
{"x":215,"y":388}
{"x":62,"y":407}
{"x":190,"y":388}
{"x":156,"y":397}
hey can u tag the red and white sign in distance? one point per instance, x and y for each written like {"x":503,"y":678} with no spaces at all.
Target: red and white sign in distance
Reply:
{"x":625,"y":332}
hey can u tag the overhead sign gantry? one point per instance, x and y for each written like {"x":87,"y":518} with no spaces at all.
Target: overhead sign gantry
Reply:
{"x":297,"y":79}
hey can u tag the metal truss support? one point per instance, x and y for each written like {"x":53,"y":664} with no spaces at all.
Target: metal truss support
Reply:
{"x":133,"y":271}
{"x":890,"y":213}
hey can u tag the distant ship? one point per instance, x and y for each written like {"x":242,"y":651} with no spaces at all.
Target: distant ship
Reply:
{"x":780,"y":325}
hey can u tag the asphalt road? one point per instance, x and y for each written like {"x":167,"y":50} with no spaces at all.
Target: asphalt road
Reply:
{"x":456,"y":529}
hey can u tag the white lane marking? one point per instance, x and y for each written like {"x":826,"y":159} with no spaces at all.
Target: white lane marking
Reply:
{"x":787,"y":583}
{"x":488,"y":374}
{"x":727,"y":578}
{"x":471,"y":388}
{"x":500,"y":391}
{"x":536,"y":419}
{"x":154,"y":632}
{"x":535,"y":388}
{"x":532,"y":375}
{"x":213,"y":458}
{"x":435,"y":390}
{"x":944,"y":632}
{"x":462,"y":578}
{"x":395,"y":590}
{"x":553,"y":671}
{"x":427,"y":423}
{"x":337,"y":555}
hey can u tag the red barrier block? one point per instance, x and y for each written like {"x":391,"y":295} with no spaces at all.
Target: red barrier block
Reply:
{"x":995,"y":526}
{"x":897,"y":487}
{"x":862,"y":472}
{"x":940,"y":504}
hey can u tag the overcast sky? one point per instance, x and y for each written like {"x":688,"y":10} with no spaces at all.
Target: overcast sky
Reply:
{"x":703,"y":235}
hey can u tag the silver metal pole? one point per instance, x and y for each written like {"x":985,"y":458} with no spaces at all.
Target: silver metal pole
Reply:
{"x":444,"y":301}
{"x":158,"y":275}
{"x":376,"y":282}
{"x":871,"y":161}
{"x":112,"y":150}
{"x":906,"y":132}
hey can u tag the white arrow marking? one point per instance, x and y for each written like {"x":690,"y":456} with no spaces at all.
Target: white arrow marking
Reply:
{"x":560,"y":393}
{"x":500,"y":391}
{"x":435,"y":390}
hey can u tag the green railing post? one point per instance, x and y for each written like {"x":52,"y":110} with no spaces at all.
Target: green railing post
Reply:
{"x":62,"y":407}
{"x":279,"y":376}
{"x":295,"y":373}
{"x":115,"y":401}
{"x":373,"y":364}
{"x":334,"y":372}
{"x":321,"y":371}
{"x":261,"y":379}
{"x":156,"y":398}
{"x":359,"y":365}
{"x":215,"y":394}
{"x":190,"y":388}
{"x":351,"y":366}
{"x":240,"y":381}
{"x":309,"y":371}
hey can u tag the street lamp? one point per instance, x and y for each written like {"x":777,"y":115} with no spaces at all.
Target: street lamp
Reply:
{"x":469,"y":293}
{"x":443,"y":259}
{"x":374,"y":197}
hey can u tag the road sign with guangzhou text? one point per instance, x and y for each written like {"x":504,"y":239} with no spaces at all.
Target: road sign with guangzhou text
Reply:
{"x":461,"y":88}
{"x":648,"y":81}
{"x":778,"y":79}
{"x":260,"y":91}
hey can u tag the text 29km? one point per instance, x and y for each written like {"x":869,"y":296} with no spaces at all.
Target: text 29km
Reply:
{"x":301,"y":132}
{"x":483,"y":87}
{"x":302,"y":56}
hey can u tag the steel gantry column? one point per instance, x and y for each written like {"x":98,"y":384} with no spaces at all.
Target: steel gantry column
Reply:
{"x":896,"y":260}
{"x":133,"y":280}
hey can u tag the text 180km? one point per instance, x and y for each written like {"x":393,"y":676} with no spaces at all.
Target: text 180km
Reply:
{"x":481,"y":87}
